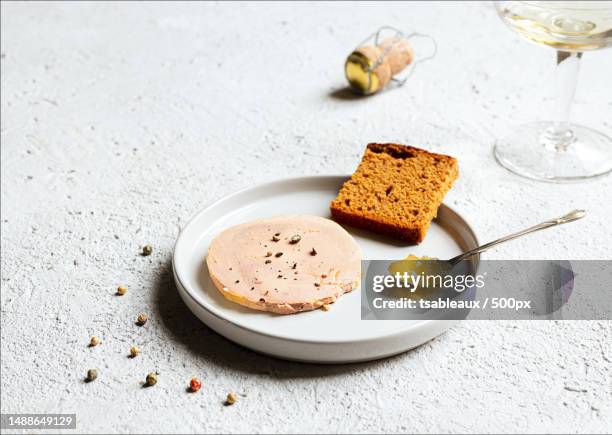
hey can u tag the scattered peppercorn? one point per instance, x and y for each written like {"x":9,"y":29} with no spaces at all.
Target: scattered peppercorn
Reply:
{"x":269,"y":254}
{"x":275,"y":238}
{"x":134,"y":351}
{"x":313,"y":252}
{"x":323,"y":276}
{"x":262,"y":300}
{"x":231,"y":399}
{"x":94,"y":341}
{"x":317,"y":284}
{"x":237,"y":281}
{"x":92,"y":375}
{"x":295,"y":239}
{"x":278,"y":254}
{"x":142,"y":319}
{"x":268,"y":261}
{"x":147,"y":250}
{"x":294,"y":266}
{"x":277,"y":234}
{"x":121,"y":290}
{"x":195,"y":385}
{"x":151,"y":379}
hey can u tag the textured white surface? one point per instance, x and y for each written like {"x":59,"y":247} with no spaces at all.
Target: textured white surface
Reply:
{"x":119,"y":121}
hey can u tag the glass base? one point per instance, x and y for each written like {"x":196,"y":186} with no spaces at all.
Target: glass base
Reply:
{"x":537,"y":151}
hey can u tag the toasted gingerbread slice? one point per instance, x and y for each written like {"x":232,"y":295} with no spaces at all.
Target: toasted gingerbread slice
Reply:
{"x":396,"y":190}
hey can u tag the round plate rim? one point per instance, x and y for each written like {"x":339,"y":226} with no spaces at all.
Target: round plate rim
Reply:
{"x":266,"y":185}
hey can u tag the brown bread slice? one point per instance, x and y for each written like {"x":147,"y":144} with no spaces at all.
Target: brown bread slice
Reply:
{"x":396,"y":190}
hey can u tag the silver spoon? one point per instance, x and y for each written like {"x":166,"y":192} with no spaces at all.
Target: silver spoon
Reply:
{"x":569,"y":217}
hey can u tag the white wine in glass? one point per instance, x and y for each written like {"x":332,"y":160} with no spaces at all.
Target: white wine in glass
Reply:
{"x":558,"y":150}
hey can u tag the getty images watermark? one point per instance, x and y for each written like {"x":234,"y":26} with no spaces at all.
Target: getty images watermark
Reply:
{"x":487,"y":289}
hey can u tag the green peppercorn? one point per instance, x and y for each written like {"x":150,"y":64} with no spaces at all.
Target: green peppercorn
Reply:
{"x":92,"y":374}
{"x":142,"y":319}
{"x":151,"y":379}
{"x":231,"y":399}
{"x":147,"y":250}
{"x":134,"y":351}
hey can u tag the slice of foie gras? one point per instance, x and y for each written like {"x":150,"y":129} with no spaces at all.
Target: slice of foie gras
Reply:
{"x":285,"y":264}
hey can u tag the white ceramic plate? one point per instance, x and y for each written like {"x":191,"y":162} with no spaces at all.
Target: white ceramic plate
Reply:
{"x":335,"y":336}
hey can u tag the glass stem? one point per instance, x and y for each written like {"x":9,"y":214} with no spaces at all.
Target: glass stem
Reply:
{"x":560,"y":135}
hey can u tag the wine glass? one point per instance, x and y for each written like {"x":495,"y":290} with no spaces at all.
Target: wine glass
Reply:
{"x":559,"y":151}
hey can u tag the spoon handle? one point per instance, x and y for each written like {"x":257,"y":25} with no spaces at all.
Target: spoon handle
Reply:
{"x":569,"y":217}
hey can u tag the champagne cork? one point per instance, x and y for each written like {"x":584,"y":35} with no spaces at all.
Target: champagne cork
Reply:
{"x":370,"y":67}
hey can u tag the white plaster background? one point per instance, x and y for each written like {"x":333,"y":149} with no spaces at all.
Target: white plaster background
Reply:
{"x":119,"y":121}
